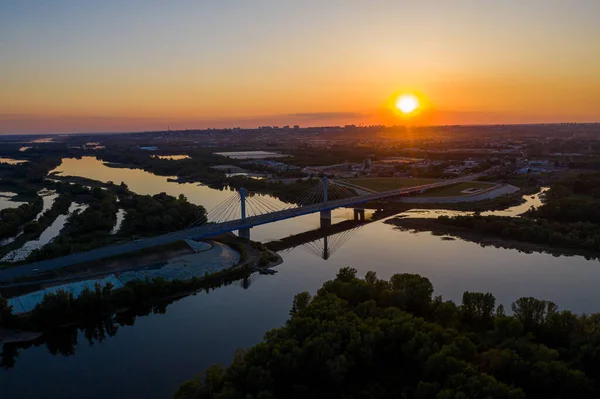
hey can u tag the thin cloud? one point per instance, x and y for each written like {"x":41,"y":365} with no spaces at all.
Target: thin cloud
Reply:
{"x":327,"y":115}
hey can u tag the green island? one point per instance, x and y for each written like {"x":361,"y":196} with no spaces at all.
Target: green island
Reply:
{"x":567,"y":222}
{"x":91,"y":228}
{"x":374,"y":338}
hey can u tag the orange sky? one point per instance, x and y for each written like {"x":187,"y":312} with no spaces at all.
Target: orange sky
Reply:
{"x":128,"y":66}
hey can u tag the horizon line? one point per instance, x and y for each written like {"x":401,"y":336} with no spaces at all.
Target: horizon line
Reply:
{"x":309,"y":127}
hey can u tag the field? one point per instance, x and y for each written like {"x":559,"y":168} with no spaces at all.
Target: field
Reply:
{"x":388,"y":183}
{"x":455,"y":189}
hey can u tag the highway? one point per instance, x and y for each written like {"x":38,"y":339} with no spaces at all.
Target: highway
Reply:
{"x":210,"y":229}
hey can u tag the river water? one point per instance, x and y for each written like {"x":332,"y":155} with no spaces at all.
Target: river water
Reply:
{"x":152,"y":357}
{"x":6,"y":200}
{"x":49,"y":234}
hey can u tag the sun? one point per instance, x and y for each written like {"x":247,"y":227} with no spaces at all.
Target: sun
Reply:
{"x":407,"y":103}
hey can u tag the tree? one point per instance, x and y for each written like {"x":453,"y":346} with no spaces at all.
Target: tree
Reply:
{"x":477,"y":306}
{"x":301,"y":301}
{"x":500,"y":311}
{"x":532,"y":312}
{"x":417,"y":290}
{"x":371,"y":277}
{"x":335,"y":348}
{"x":346,"y":274}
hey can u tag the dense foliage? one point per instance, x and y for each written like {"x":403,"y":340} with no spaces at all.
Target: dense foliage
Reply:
{"x":580,"y":235}
{"x":572,"y":200}
{"x":12,"y":219}
{"x":145,"y":216}
{"x":99,"y":312}
{"x":371,"y":338}
{"x":569,"y":218}
{"x":158,"y":214}
{"x":61,"y":307}
{"x":33,"y":229}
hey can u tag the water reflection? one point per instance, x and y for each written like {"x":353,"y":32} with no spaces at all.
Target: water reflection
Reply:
{"x":142,"y":182}
{"x":11,"y":161}
{"x":46,"y":237}
{"x":6,"y":200}
{"x":42,"y":140}
{"x":95,"y":330}
{"x":172,"y":157}
{"x":48,"y":198}
{"x":170,"y":342}
{"x":530,"y":201}
{"x":120,"y":218}
{"x":251,"y":154}
{"x":200,"y":330}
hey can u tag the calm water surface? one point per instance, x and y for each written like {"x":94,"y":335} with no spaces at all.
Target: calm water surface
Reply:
{"x":12,"y":161}
{"x":7,"y":202}
{"x":151,"y":358}
{"x":143,"y":182}
{"x":49,"y":234}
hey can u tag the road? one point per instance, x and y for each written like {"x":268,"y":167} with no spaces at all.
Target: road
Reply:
{"x":209,"y":230}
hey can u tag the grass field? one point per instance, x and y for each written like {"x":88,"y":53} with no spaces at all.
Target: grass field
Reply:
{"x":388,"y":183}
{"x":455,"y":190}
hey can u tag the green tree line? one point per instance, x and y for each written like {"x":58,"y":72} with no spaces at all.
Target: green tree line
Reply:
{"x":13,"y":219}
{"x":568,"y":218}
{"x":61,"y":308}
{"x":374,"y":338}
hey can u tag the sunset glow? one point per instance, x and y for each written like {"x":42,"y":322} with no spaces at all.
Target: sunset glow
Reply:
{"x":150,"y":65}
{"x":407,"y":103}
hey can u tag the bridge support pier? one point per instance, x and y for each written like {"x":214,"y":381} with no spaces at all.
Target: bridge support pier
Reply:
{"x":244,"y":233}
{"x":359,"y":214}
{"x":326,"y":218}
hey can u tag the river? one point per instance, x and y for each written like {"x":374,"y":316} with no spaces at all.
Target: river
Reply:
{"x":152,"y":357}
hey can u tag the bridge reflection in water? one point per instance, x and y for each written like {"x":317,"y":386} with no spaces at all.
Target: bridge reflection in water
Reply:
{"x":254,"y":211}
{"x":322,"y":243}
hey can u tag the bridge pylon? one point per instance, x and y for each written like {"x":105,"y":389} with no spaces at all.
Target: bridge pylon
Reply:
{"x":326,"y":214}
{"x":325,"y":182}
{"x":326,"y":218}
{"x":359,"y":214}
{"x":245,"y":232}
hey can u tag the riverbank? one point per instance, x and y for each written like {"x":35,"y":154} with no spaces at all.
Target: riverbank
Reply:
{"x":484,"y":194}
{"x":440,"y":229}
{"x":127,"y":290}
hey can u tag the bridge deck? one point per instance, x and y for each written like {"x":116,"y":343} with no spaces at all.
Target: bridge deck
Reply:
{"x":209,"y":230}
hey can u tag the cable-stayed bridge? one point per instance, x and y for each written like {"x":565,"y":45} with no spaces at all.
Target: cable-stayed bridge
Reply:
{"x":254,"y":210}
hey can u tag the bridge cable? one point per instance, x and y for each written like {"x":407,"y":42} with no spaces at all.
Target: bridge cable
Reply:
{"x":263,"y":207}
{"x":265,"y":203}
{"x":252,"y":208}
{"x":224,"y":213}
{"x":303,"y":199}
{"x":232,"y":211}
{"x":218,"y":212}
